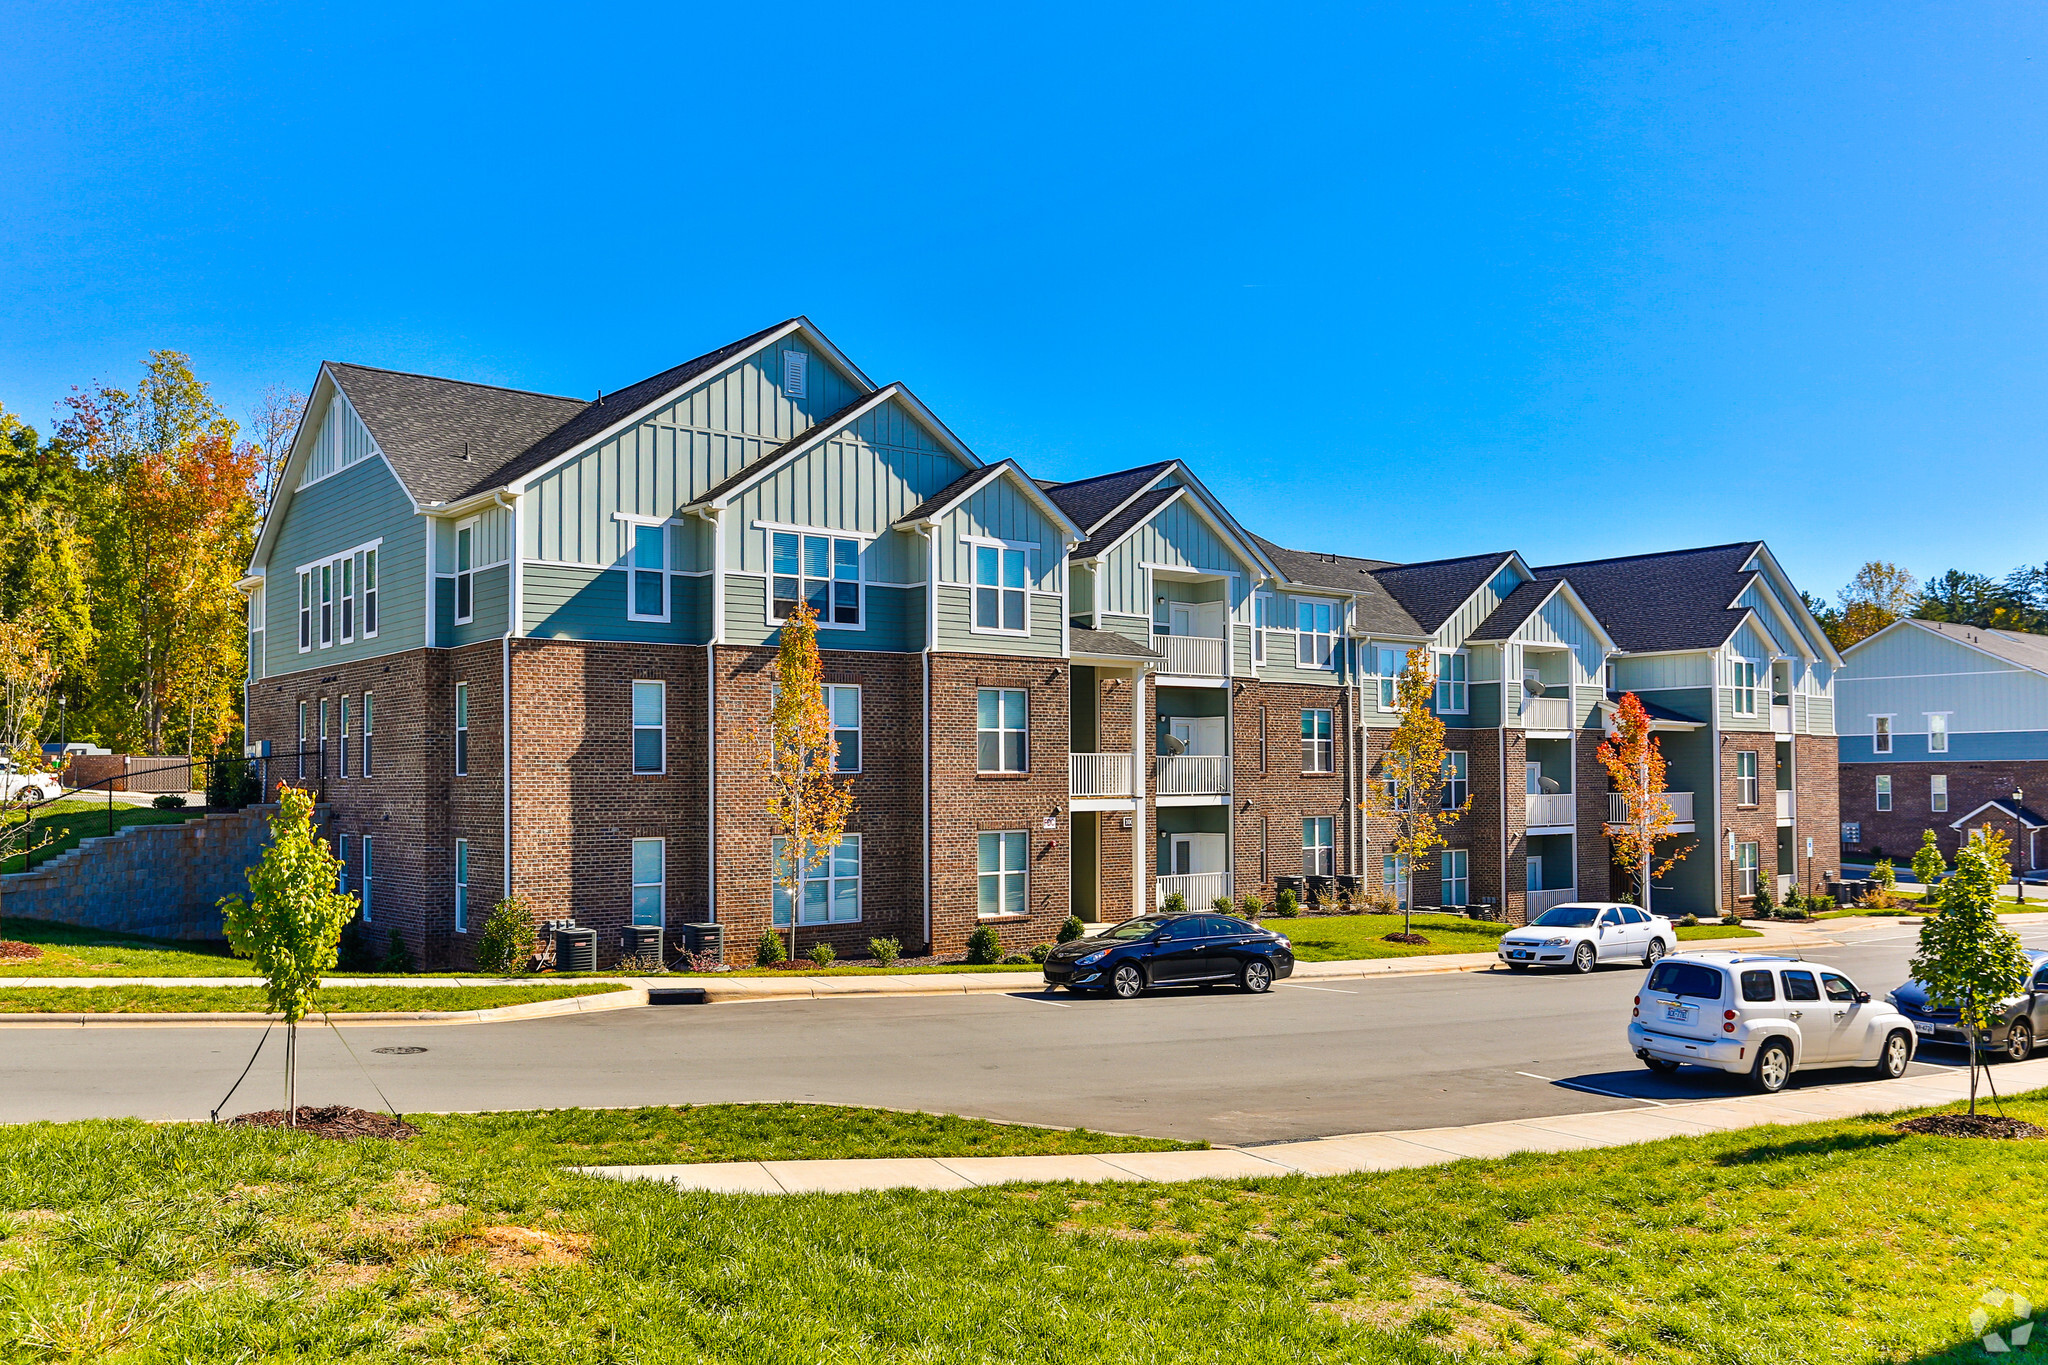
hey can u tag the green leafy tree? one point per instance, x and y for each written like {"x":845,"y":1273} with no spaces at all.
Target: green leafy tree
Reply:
{"x":1409,"y":797}
{"x":26,"y":672}
{"x":290,"y":925}
{"x":1967,"y":960}
{"x":1928,"y":867}
{"x":1887,"y":879}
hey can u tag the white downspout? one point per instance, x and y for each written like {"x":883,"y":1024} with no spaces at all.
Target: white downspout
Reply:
{"x":931,"y":636}
{"x":716,"y":516}
{"x":512,"y":609}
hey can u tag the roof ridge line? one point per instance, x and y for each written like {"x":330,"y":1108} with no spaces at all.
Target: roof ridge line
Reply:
{"x":1453,"y":559}
{"x":1654,"y":554}
{"x":466,"y":383}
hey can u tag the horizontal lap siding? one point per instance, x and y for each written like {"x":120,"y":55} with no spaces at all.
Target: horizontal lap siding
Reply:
{"x":491,"y":603}
{"x":578,"y":603}
{"x":895,"y":618}
{"x":955,"y":634}
{"x":361,"y":503}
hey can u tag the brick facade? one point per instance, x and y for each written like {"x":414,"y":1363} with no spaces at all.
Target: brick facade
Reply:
{"x":1816,"y":806}
{"x":1751,"y":823}
{"x":1895,"y":833}
{"x":1273,"y":794}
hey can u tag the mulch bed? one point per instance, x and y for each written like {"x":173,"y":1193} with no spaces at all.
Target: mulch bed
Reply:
{"x":1405,"y":938}
{"x":11,"y":951}
{"x":1967,"y":1125}
{"x":336,"y":1121}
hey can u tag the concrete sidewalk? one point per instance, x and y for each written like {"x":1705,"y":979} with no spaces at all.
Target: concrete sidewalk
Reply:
{"x":1349,"y":1155}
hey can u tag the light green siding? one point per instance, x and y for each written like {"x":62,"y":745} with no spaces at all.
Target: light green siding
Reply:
{"x":341,"y":441}
{"x":575,"y":602}
{"x":490,"y":539}
{"x":1179,"y":536}
{"x":956,"y":635}
{"x":1469,"y":616}
{"x":1002,"y":512}
{"x":360,"y":504}
{"x":895,"y":618}
{"x":1662,"y":672}
{"x":1138,"y":628}
{"x":490,"y":606}
{"x":1908,"y":672}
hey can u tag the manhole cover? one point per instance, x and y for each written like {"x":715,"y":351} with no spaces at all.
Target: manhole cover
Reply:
{"x":399,"y":1051}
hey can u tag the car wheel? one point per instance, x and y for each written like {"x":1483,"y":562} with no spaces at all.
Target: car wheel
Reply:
{"x":1663,"y":1066}
{"x":1773,"y":1067}
{"x":1128,"y":982}
{"x":1898,"y":1051}
{"x":2019,"y":1041}
{"x":1654,"y":952}
{"x":1258,"y":977}
{"x":1583,"y":958}
{"x":31,"y":796}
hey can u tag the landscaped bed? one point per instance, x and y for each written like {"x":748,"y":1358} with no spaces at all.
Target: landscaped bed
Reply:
{"x":189,"y":1242}
{"x":249,"y":999}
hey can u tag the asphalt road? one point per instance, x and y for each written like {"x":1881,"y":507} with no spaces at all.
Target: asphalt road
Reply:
{"x":1304,"y":1061}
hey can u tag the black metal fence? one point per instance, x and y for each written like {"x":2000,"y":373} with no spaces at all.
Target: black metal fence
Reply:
{"x":229,"y":784}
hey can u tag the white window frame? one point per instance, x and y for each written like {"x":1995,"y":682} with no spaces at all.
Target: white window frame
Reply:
{"x":634,"y":568}
{"x":1937,"y":792}
{"x":1456,"y":867}
{"x":341,"y":864}
{"x":796,"y":374}
{"x":660,"y":728}
{"x":1746,"y":788}
{"x":1000,"y":591}
{"x":1937,"y":728}
{"x":659,"y":885}
{"x":1394,"y":878}
{"x":323,"y":737}
{"x":1389,"y":663}
{"x":1314,"y":647}
{"x":462,"y":886}
{"x":828,"y":871}
{"x":369,"y":730}
{"x":1742,"y":682}
{"x":1318,"y":846}
{"x":305,"y":611}
{"x":1002,"y":729}
{"x":1457,"y":778}
{"x":1262,"y":621}
{"x":345,"y":572}
{"x":370,"y":593}
{"x":1002,"y":876}
{"x":836,"y":693}
{"x":1319,"y":751}
{"x":462,"y":729}
{"x":465,"y":578}
{"x":344,"y":736}
{"x":302,"y":741}
{"x":1453,"y":695}
{"x":326,"y":572}
{"x":1883,"y":791}
{"x":1881,"y":734}
{"x":1746,"y":868}
{"x":367,"y":879}
{"x":859,"y":579}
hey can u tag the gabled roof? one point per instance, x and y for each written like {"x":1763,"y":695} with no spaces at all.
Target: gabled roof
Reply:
{"x":1526,"y":600}
{"x":1432,"y":591}
{"x":2020,"y":647}
{"x":1081,"y":640}
{"x":973,"y":481}
{"x":1374,"y":610}
{"x":790,"y":449}
{"x":2027,"y":818}
{"x":1123,"y":523}
{"x":1091,"y":501}
{"x":1677,"y":600}
{"x":426,"y":426}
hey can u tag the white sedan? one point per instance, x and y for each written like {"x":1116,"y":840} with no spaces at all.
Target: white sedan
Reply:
{"x":1584,"y":934}
{"x":26,"y":787}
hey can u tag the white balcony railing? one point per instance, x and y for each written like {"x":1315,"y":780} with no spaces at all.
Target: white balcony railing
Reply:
{"x":1680,"y":803}
{"x":1781,"y":718}
{"x":1784,"y":805}
{"x":1200,"y":889}
{"x":1539,"y":901}
{"x":1194,"y":775}
{"x":1098,"y":774}
{"x":1190,"y":656}
{"x":1555,"y":809}
{"x":1546,"y":713}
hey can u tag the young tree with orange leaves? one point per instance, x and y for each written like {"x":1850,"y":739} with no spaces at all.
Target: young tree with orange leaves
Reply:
{"x":1635,"y":763}
{"x":808,"y":800}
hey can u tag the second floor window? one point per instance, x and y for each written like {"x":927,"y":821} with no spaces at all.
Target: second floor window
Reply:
{"x":1390,"y":666}
{"x":1315,"y":637}
{"x":1744,"y":679}
{"x":462,"y":729}
{"x":465,"y":573}
{"x":369,"y":728}
{"x":649,"y":573}
{"x":823,"y":571}
{"x":650,"y":726}
{"x":1457,"y":781}
{"x":999,"y":589}
{"x":1451,"y":690}
{"x":1881,"y":734}
{"x":369,"y":593}
{"x":1937,"y":733}
{"x":1000,"y":729}
{"x":1884,"y":792}
{"x":344,"y":736}
{"x":1317,"y":746}
{"x":1745,"y":778}
{"x":302,"y":739}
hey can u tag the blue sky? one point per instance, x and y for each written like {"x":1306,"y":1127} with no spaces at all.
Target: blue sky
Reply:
{"x":1404,"y":280}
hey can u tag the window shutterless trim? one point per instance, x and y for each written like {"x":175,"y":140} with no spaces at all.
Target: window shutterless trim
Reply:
{"x":1001,"y":588}
{"x":462,"y":729}
{"x":462,"y":886}
{"x":831,"y":580}
{"x":659,"y":727}
{"x":465,"y":578}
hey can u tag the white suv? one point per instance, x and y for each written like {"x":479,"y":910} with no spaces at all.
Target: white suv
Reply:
{"x":1764,"y":1016}
{"x":28,"y":787}
{"x":1584,"y":934}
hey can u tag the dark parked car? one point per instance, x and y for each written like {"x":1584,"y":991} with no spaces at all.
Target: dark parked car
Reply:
{"x":1171,"y":950}
{"x":2015,"y":1028}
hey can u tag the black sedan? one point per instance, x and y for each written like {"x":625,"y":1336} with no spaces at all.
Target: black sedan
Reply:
{"x":2016,"y":1026}
{"x":1171,"y":950}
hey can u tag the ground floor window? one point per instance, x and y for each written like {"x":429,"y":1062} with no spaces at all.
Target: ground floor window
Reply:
{"x":1884,"y":792}
{"x":1457,"y":881}
{"x":462,"y":886}
{"x":1001,"y":865}
{"x":1394,"y":879}
{"x":1937,"y":792}
{"x":1318,"y":847}
{"x":828,"y":892}
{"x":369,"y":873}
{"x":650,"y":878}
{"x":341,"y":865}
{"x":1745,"y":868}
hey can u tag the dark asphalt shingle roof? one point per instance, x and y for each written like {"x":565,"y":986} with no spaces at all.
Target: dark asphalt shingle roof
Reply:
{"x":1119,"y":525}
{"x":424,"y":424}
{"x":1515,"y":608}
{"x":1373,"y":609}
{"x":1432,"y":590}
{"x":1088,"y":501}
{"x":1675,"y":600}
{"x":1081,"y":640}
{"x":2014,"y":646}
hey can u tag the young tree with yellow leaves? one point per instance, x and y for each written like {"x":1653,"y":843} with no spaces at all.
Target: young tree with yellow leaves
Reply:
{"x":808,"y":800}
{"x":26,"y":673}
{"x":1413,"y":776}
{"x":1635,"y":764}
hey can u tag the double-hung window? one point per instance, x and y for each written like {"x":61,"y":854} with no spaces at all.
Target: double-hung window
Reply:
{"x":348,"y":599}
{"x":649,"y":572}
{"x":1318,"y":847}
{"x":842,"y":706}
{"x":344,"y":736}
{"x":1262,"y":621}
{"x":341,"y":864}
{"x":1457,"y":877}
{"x":1002,"y":877}
{"x":1000,"y":572}
{"x":650,"y":883}
{"x":1001,"y":730}
{"x":302,"y":741}
{"x":326,"y":605}
{"x":305,"y":610}
{"x":822,"y":571}
{"x":1937,"y":732}
{"x":1744,"y":679}
{"x":828,"y":893}
{"x":323,"y":737}
{"x":1391,"y":663}
{"x":650,"y":727}
{"x":1937,"y":792}
{"x":368,"y":880}
{"x":465,"y":572}
{"x":1315,"y":637}
{"x":1745,"y":869}
{"x":1394,"y":879}
{"x":462,"y":886}
{"x":1317,"y":746}
{"x":369,"y":594}
{"x":1451,"y":687}
{"x":1745,"y":777}
{"x":1884,"y":791}
{"x":1457,"y":782}
{"x":462,"y":729}
{"x":369,"y":724}
{"x":1881,"y":734}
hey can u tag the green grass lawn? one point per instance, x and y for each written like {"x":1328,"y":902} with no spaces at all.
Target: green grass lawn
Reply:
{"x":249,"y":999}
{"x":1342,"y":938}
{"x":95,"y":952}
{"x":1693,"y":933}
{"x":1836,"y":1242}
{"x":73,"y":819}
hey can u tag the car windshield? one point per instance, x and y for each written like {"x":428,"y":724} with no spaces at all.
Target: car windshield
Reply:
{"x":1686,"y":978}
{"x":1567,"y":917}
{"x":1133,"y":929}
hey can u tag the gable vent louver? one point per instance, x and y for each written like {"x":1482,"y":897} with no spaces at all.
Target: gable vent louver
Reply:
{"x":795,"y":374}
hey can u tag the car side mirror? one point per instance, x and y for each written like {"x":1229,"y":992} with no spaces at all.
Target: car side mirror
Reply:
{"x":1863,"y":997}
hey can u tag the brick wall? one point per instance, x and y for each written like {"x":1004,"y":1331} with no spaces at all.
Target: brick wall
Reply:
{"x":1113,"y":857}
{"x":1598,"y":878}
{"x":1272,"y":802}
{"x":1897,"y":832}
{"x":1756,"y":823}
{"x":1817,"y":812}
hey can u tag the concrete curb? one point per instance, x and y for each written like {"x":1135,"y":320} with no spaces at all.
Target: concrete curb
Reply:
{"x":1350,"y":1154}
{"x":631,"y":997}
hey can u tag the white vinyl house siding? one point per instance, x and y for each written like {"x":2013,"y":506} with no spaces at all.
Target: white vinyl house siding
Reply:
{"x":361,"y":504}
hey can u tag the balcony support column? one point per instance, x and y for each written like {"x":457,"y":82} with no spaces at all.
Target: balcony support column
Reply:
{"x":1141,"y":735}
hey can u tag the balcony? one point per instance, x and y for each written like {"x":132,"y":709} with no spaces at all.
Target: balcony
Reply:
{"x":1554,"y":809}
{"x":1194,"y":775}
{"x":1199,"y":888}
{"x":1099,"y":775}
{"x":1546,"y":713}
{"x":1781,"y":715}
{"x":1190,"y":656}
{"x":1680,"y":803}
{"x":1784,"y":805}
{"x":1539,"y":901}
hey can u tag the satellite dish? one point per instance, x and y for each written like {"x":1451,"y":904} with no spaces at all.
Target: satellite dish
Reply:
{"x":1173,"y":745}
{"x":1533,"y":686}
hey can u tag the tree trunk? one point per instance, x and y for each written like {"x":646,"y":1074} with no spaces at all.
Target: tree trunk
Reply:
{"x":1973,"y":1071}
{"x":291,"y":1073}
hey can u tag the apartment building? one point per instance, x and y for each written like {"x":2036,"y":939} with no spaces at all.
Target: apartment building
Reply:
{"x":524,"y":645}
{"x":1944,"y":727}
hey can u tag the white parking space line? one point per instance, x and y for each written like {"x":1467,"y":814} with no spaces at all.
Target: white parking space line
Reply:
{"x":1574,"y":1085}
{"x":1056,"y":1004}
{"x":1331,"y":989}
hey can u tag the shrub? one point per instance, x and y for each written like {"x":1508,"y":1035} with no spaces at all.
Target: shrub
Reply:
{"x":885,"y":950}
{"x":1251,"y":907}
{"x":1793,"y":900}
{"x":169,"y":801}
{"x":1796,"y":912}
{"x":396,"y":957}
{"x":506,"y":943}
{"x":1071,"y":929}
{"x":769,"y":950}
{"x":1224,"y":904}
{"x":632,"y":964}
{"x":1688,"y":921}
{"x":1763,"y":903}
{"x":1041,"y":952}
{"x":1326,"y":900}
{"x":1732,"y":917}
{"x":984,"y":946}
{"x":1382,"y":903}
{"x":1175,"y":903}
{"x":1820,"y":905}
{"x":1016,"y":960}
{"x":822,"y":954}
{"x":1286,"y":905}
{"x":353,"y":954}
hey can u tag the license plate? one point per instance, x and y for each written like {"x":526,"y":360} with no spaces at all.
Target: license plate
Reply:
{"x":1518,"y":952}
{"x":1923,"y":1029}
{"x":1678,"y":1014}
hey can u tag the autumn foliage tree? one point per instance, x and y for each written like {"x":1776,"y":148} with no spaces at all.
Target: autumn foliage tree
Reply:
{"x":1879,"y":594}
{"x":808,"y":800}
{"x":26,"y":672}
{"x":1414,"y":771}
{"x":1635,"y":764}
